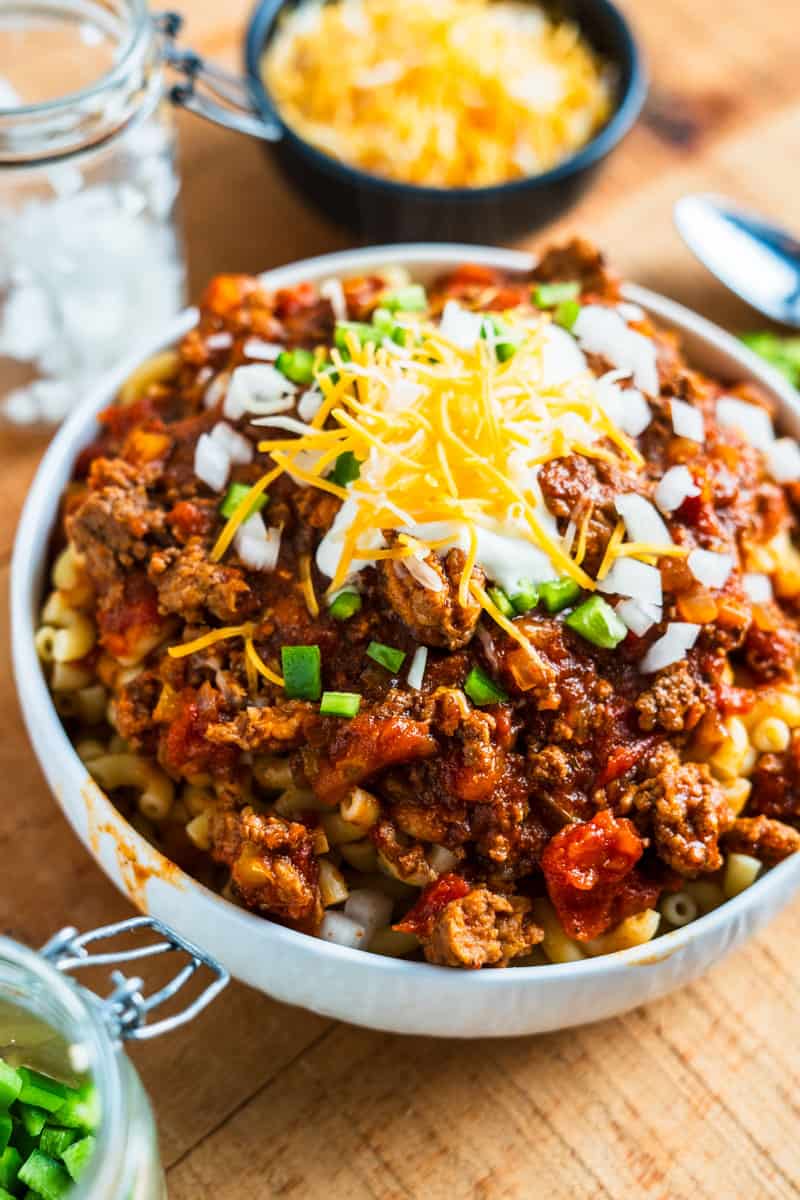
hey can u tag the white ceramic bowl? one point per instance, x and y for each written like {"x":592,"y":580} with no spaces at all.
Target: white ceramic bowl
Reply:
{"x":365,"y":989}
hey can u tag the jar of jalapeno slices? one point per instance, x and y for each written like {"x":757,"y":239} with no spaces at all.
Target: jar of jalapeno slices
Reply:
{"x":74,"y":1118}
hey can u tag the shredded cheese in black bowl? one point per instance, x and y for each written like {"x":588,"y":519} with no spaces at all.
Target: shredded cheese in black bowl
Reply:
{"x":469,"y":121}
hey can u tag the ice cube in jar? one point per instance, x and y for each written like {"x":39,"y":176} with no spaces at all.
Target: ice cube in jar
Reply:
{"x":90,"y":254}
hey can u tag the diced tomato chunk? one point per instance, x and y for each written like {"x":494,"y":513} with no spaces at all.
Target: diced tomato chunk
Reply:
{"x":625,"y":756}
{"x":586,"y":869}
{"x":190,"y":520}
{"x":421,"y":918}
{"x":124,"y":621}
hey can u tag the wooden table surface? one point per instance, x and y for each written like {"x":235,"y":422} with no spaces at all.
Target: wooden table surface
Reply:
{"x":694,"y":1096}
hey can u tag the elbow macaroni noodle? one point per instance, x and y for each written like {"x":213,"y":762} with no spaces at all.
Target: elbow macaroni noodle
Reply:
{"x":66,"y":643}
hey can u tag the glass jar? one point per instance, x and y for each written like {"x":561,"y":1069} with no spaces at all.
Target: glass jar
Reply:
{"x":90,"y":253}
{"x":126,"y":1164}
{"x":91,"y":258}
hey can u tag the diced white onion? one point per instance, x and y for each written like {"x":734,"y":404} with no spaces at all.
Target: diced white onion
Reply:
{"x":678,"y":639}
{"x":423,"y":573}
{"x":289,"y":424}
{"x":459,"y":326}
{"x":675,"y":487}
{"x":757,"y":587}
{"x":631,"y":312}
{"x":441,"y":859}
{"x":215,"y":391}
{"x":416,"y":672}
{"x":332,"y":291}
{"x":343,"y":931}
{"x":212,"y":463}
{"x":629,"y":577}
{"x":257,"y":546}
{"x":710,"y":567}
{"x":783,"y":460}
{"x":256,"y":347}
{"x":642,"y":522}
{"x":635,"y":412}
{"x":235,"y":445}
{"x":752,"y":422}
{"x":259,"y":388}
{"x":687,"y":421}
{"x":562,"y":357}
{"x":601,"y":330}
{"x":309,"y":404}
{"x":639,"y":618}
{"x":369,"y":908}
{"x":219,"y":341}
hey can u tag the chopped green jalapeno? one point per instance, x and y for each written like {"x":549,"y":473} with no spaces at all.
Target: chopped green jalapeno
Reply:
{"x":41,"y":1090}
{"x":596,"y":621}
{"x":481,"y":690}
{"x":76,"y":1157}
{"x":567,"y":313}
{"x":406,"y":299}
{"x":526,"y":598}
{"x":363,"y":333}
{"x":384,"y":320}
{"x":548,"y":295}
{"x":55,"y":1141}
{"x":4,"y":1195}
{"x":559,"y":593}
{"x":302,"y":672}
{"x":346,"y":469}
{"x":345,"y":606}
{"x":46,"y":1177}
{"x":234,"y":497}
{"x":339,"y":704}
{"x":387,"y":656}
{"x":10,"y":1163}
{"x":81,"y":1110}
{"x":6,"y":1126}
{"x":10,"y":1084}
{"x":500,"y":600}
{"x":297,"y":365}
{"x":506,"y":339}
{"x":33,"y":1119}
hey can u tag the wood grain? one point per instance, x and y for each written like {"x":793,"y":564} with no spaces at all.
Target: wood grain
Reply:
{"x":695,"y":1096}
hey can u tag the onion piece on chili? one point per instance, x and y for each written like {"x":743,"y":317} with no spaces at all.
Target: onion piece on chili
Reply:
{"x":638,"y":616}
{"x":642,"y":521}
{"x":752,"y":422}
{"x":671,"y":647}
{"x":416,"y":672}
{"x":212,"y":463}
{"x":710,"y":568}
{"x":235,"y":445}
{"x":757,"y":587}
{"x":687,"y":421}
{"x":783,"y":460}
{"x":676,"y":486}
{"x":629,"y":577}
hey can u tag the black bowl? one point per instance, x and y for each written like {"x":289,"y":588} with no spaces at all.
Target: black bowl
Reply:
{"x":383,"y":210}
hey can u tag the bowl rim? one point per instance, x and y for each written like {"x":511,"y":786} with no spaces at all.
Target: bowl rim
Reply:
{"x":626,"y":112}
{"x":29,"y":561}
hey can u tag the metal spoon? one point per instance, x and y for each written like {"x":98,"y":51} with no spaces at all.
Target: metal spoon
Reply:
{"x":757,"y":260}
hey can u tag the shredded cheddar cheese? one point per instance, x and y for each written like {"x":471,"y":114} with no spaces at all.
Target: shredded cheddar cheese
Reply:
{"x":459,"y":93}
{"x":253,"y":661}
{"x":449,"y":439}
{"x":307,"y":585}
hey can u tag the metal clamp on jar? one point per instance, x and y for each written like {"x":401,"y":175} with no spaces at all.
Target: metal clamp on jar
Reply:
{"x":49,"y":1023}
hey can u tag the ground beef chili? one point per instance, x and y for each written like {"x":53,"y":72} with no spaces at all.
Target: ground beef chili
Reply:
{"x":531,"y":762}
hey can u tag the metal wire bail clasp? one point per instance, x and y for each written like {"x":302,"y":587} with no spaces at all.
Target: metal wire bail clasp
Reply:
{"x":221,"y":84}
{"x":127,"y":1010}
